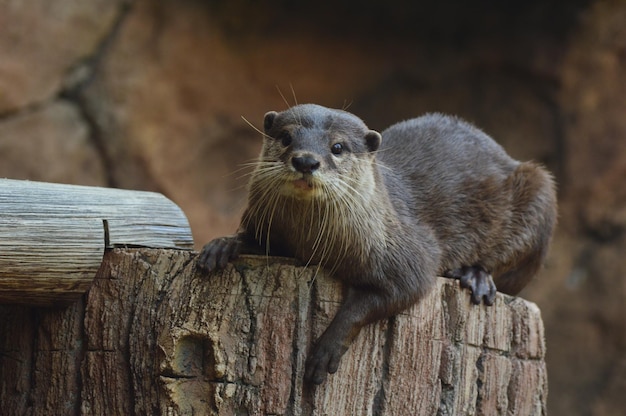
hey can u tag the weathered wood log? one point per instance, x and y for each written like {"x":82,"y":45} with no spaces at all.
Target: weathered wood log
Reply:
{"x":155,"y":336}
{"x":53,"y":236}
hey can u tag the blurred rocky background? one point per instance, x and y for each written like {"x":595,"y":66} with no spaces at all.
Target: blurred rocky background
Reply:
{"x":151,"y":95}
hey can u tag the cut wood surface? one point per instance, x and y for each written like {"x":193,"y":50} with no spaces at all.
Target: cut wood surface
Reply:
{"x":53,"y":236}
{"x":155,"y":336}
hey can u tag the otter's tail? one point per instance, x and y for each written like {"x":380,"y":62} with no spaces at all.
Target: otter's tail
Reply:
{"x":534,"y":210}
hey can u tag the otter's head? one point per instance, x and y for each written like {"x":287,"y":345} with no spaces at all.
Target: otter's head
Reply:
{"x":310,"y":150}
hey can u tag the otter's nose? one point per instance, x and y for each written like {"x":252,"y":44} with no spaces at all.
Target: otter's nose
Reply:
{"x":305,"y":164}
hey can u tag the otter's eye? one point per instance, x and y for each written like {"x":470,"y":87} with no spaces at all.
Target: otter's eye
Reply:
{"x":336,"y":148}
{"x":285,"y":138}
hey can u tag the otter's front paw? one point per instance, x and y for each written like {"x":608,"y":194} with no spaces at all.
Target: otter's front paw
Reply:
{"x":323,"y":359}
{"x":217,"y":253}
{"x":478,"y":281}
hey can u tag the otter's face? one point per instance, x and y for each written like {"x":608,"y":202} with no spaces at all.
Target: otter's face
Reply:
{"x":311,"y":150}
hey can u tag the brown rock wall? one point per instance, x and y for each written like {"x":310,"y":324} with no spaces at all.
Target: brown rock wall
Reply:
{"x":584,"y":312}
{"x":50,"y":143}
{"x":42,"y":40}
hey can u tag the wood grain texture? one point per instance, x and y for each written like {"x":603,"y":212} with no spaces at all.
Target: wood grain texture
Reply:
{"x":53,"y":236}
{"x":155,"y":336}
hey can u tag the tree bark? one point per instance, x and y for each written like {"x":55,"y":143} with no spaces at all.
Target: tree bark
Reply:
{"x":53,"y":236}
{"x":155,"y":336}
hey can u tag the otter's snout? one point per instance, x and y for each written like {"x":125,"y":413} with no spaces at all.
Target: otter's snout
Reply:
{"x":305,"y":164}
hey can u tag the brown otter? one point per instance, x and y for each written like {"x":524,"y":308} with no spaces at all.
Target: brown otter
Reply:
{"x":434,"y":195}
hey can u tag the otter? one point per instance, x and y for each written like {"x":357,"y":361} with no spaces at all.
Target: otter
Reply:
{"x":387,"y":213}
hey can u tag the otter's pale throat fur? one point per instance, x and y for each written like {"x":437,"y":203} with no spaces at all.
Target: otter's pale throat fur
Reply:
{"x":388,"y":213}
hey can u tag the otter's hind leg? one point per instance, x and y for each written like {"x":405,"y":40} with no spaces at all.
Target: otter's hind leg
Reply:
{"x":478,"y":281}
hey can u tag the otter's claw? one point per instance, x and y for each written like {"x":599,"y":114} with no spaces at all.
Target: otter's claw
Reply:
{"x":478,"y":281}
{"x":323,"y":360}
{"x":217,"y":253}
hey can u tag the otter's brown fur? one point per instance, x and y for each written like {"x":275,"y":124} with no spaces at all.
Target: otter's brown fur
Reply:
{"x":434,"y":195}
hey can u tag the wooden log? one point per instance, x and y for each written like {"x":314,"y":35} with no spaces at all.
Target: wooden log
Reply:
{"x":53,"y":236}
{"x":155,"y":336}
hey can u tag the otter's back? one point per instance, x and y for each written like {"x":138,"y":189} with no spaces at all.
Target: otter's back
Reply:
{"x":438,"y":144}
{"x":450,"y":175}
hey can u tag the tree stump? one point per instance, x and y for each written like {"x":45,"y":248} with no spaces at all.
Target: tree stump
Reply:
{"x":155,"y":336}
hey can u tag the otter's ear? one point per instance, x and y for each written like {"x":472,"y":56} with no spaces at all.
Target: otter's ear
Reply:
{"x":268,"y":121}
{"x":372,"y":140}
